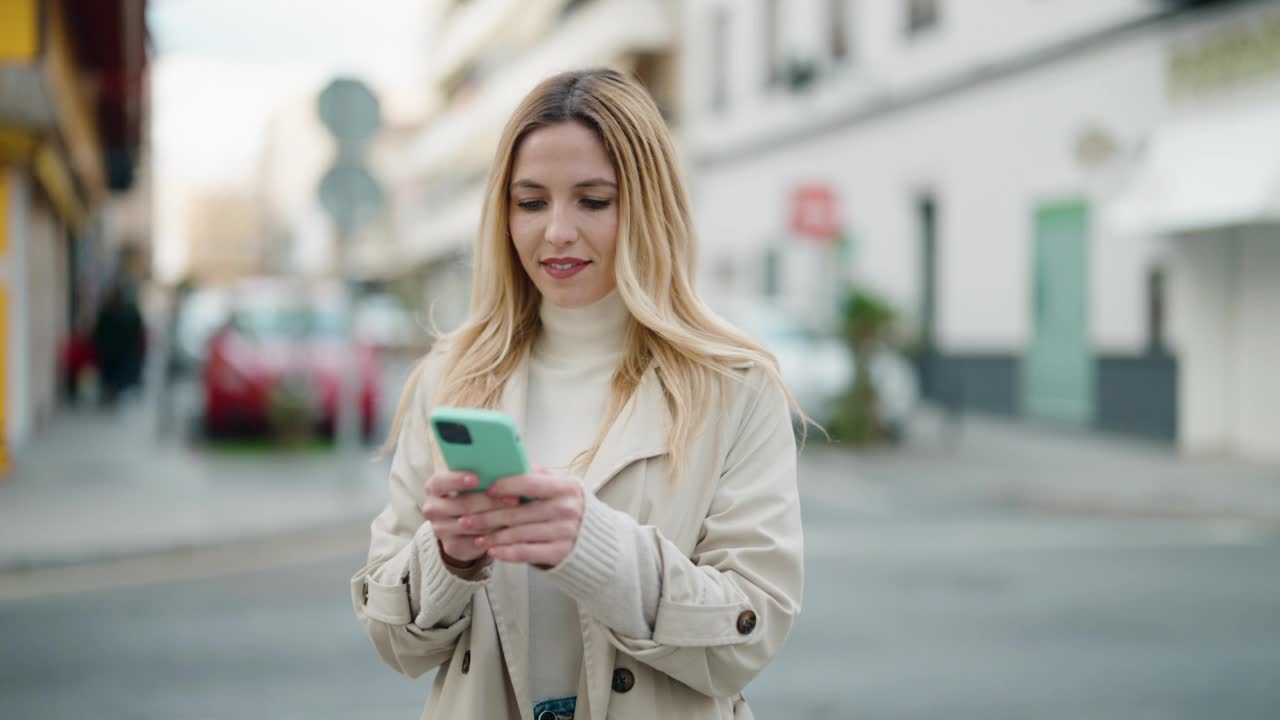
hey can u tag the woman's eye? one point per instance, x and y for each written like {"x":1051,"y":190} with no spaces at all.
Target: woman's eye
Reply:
{"x":594,"y":204}
{"x":531,"y":204}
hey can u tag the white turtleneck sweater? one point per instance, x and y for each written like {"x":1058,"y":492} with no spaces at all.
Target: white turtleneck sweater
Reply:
{"x":571,"y":366}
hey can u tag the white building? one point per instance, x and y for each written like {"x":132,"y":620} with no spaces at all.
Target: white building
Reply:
{"x":1012,"y":175}
{"x":487,"y":54}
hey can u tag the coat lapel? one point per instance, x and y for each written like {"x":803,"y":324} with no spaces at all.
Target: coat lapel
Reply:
{"x":640,"y":431}
{"x":509,"y":585}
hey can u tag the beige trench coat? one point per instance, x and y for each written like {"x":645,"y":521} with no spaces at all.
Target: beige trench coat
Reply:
{"x":728,"y":537}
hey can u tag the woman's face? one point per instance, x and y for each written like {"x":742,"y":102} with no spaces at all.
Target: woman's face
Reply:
{"x":563,"y":215}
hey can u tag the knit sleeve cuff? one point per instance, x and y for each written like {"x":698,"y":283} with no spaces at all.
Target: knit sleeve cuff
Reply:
{"x":442,"y":593}
{"x":592,"y":562}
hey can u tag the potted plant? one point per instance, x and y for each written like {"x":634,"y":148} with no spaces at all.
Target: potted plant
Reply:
{"x":866,"y":321}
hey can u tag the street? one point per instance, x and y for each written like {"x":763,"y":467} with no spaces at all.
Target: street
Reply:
{"x":1021,"y":260}
{"x":924,"y":600}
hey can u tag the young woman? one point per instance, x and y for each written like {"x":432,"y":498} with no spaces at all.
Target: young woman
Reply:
{"x":659,"y":566}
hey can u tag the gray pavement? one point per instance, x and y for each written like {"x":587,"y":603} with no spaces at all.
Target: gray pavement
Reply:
{"x":94,"y":487}
{"x":1061,"y":469}
{"x":924,"y":599}
{"x":98,"y":484}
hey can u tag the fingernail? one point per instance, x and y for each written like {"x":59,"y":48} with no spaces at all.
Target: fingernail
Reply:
{"x":480,"y":541}
{"x":464,"y":522}
{"x":510,"y":502}
{"x":472,"y":480}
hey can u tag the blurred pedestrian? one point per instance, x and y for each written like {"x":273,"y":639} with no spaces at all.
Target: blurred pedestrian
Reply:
{"x":655,"y":564}
{"x":78,"y":357}
{"x":119,"y":339}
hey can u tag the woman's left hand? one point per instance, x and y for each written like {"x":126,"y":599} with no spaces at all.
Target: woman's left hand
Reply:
{"x":540,"y":532}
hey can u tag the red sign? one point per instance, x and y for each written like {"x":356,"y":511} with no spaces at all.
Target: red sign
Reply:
{"x":815,"y":213}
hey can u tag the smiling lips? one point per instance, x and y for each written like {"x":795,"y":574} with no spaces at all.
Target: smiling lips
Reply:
{"x":561,"y":268}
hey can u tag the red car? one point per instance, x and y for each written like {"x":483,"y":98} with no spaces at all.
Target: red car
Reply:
{"x":280,"y":359}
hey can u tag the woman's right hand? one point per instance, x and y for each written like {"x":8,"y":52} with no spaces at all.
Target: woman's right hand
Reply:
{"x":447,"y":502}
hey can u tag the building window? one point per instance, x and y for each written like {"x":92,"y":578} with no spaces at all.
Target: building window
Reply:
{"x":772,"y":273}
{"x":922,"y":15}
{"x":838,"y":19}
{"x":927,"y":233}
{"x":772,"y":44}
{"x":720,"y":58}
{"x":1156,"y":310}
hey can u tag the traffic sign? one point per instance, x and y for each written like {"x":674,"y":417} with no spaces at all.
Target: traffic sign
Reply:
{"x":350,"y":110}
{"x":349,"y":193}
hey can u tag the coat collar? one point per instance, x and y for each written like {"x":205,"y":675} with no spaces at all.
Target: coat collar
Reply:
{"x":640,"y":431}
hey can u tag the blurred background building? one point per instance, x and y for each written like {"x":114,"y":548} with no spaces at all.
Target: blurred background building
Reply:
{"x":74,"y":204}
{"x":1074,"y":203}
{"x":1071,"y":208}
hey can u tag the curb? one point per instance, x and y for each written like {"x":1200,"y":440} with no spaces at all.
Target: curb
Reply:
{"x":1141,"y":508}
{"x":185,"y":547}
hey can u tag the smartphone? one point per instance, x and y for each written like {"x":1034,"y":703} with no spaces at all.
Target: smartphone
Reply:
{"x":485,"y":442}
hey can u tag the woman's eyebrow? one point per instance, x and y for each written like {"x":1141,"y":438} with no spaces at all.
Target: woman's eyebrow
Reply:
{"x":597,"y":182}
{"x":593,"y":182}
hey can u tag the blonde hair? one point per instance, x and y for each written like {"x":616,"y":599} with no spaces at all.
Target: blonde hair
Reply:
{"x":671,"y":330}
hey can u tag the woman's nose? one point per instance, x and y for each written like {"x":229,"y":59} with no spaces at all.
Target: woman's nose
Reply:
{"x":561,"y":230}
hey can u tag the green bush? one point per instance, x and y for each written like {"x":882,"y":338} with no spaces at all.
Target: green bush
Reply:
{"x":866,"y":322}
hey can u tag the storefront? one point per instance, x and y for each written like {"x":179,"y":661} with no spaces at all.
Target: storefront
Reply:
{"x":70,"y":122}
{"x":1208,"y":185}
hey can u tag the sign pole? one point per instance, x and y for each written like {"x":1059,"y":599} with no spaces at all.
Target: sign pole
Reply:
{"x":350,"y":194}
{"x":349,"y":404}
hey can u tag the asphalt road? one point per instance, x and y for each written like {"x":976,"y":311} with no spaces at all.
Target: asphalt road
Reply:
{"x":919,"y":604}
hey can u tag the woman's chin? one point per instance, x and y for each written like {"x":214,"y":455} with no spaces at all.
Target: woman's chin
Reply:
{"x":573,"y":297}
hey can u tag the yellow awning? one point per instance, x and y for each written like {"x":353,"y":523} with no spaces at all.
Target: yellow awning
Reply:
{"x":19,"y":31}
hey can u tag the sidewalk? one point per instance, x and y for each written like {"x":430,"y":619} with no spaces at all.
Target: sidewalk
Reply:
{"x":98,"y":484}
{"x":1031,"y":465}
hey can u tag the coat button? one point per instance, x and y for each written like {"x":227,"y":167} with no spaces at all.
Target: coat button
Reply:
{"x":746,"y":622}
{"x":466,"y":662}
{"x":623,"y":680}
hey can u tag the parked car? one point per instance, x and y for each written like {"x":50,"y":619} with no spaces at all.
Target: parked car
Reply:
{"x":383,"y":321}
{"x":200,"y":314}
{"x":282,"y":354}
{"x":818,"y":367}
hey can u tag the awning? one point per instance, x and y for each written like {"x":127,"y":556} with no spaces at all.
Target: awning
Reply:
{"x":1212,"y":170}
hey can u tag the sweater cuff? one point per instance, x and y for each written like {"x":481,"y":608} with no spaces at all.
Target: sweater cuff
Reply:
{"x":592,"y":562}
{"x":443,"y":594}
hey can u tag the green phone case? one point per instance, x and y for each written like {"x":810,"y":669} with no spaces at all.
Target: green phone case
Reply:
{"x":495,"y":450}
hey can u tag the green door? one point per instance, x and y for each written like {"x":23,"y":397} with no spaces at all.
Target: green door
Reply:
{"x":1058,"y":376}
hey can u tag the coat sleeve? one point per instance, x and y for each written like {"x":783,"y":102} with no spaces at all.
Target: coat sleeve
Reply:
{"x":413,"y":607}
{"x":724,"y":611}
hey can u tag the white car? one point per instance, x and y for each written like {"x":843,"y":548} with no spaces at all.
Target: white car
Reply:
{"x":383,"y":321}
{"x":818,"y":368}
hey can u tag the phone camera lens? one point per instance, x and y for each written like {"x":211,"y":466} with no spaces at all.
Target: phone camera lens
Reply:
{"x":454,"y":433}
